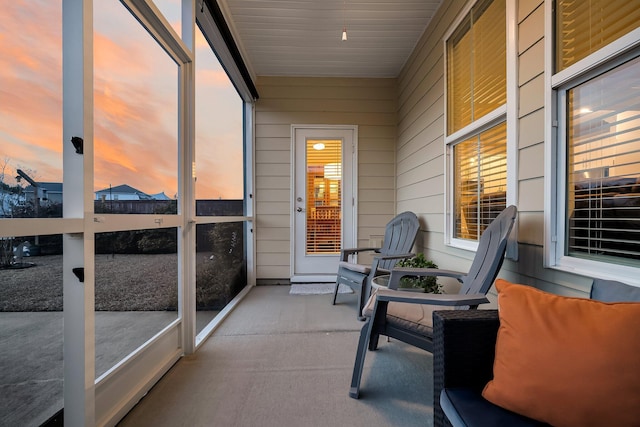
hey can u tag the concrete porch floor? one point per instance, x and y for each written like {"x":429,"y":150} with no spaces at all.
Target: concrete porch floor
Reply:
{"x":31,"y":364}
{"x":277,"y":360}
{"x":286,"y":360}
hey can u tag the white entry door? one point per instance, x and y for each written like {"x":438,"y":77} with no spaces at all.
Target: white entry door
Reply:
{"x":323,"y":199}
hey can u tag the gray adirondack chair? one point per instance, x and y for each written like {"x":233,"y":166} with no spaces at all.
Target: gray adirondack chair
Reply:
{"x":407,"y":316}
{"x":399,"y":237}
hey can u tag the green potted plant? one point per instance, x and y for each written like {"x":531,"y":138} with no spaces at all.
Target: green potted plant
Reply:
{"x":425,"y":284}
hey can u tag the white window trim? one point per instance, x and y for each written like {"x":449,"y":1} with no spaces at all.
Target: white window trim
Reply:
{"x":555,"y":154}
{"x":499,"y":115}
{"x":483,"y":123}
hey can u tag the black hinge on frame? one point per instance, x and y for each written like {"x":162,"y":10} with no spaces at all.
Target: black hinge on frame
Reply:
{"x":78,"y":144}
{"x":79,"y":272}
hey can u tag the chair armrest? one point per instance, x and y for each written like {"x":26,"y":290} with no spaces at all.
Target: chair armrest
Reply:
{"x":396,"y":256}
{"x":378,"y":259}
{"x":391,"y":295}
{"x":399,"y":272}
{"x":463,"y":351}
{"x":345,"y":253}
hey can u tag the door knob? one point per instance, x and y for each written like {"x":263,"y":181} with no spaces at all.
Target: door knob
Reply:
{"x":299,"y":209}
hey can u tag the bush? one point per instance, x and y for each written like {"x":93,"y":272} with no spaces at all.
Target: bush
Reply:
{"x":221,"y":276}
{"x":163,"y":241}
{"x":160,"y":241}
{"x":428,"y":283}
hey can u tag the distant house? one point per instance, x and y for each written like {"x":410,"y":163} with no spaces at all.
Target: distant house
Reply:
{"x":51,"y":193}
{"x":48,"y":192}
{"x":122,"y":192}
{"x":126,"y":192}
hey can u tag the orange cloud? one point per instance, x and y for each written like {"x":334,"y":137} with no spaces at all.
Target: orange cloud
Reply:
{"x":135,"y":100}
{"x":31,"y":87}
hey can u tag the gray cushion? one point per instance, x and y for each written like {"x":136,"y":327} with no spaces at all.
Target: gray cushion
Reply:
{"x":613,"y":291}
{"x":466,"y":407}
{"x":364,"y":269}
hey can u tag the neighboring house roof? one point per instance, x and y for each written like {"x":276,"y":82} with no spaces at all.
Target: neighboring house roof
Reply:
{"x":124,"y":189}
{"x":160,"y":196}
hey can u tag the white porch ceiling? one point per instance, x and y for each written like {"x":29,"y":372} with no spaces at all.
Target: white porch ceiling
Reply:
{"x":303,"y":37}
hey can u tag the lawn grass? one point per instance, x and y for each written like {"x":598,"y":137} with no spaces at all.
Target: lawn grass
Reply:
{"x":124,"y":282}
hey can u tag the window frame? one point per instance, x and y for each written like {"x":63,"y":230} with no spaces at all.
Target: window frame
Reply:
{"x":491,"y":119}
{"x":558,"y":84}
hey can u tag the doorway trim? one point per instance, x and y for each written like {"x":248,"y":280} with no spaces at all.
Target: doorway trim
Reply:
{"x":350,"y":209}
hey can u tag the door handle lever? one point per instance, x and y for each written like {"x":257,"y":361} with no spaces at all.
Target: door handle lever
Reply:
{"x":299,"y":209}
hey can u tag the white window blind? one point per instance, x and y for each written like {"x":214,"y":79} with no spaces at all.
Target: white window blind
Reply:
{"x":603,"y":180}
{"x":476,"y":65}
{"x":324,"y":196}
{"x":584,"y":26}
{"x":480,"y":180}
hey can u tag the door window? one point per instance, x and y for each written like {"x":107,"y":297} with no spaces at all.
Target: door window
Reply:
{"x":324,"y":195}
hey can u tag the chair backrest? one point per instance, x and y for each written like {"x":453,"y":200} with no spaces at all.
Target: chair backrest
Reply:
{"x":399,"y":237}
{"x":490,"y":254}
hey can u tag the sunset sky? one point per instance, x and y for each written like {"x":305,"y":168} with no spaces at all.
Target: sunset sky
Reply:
{"x":135,"y":99}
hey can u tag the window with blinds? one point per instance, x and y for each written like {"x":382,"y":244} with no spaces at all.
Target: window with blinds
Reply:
{"x":603,"y":164}
{"x":584,"y":26}
{"x":477,"y":86}
{"x":476,"y":65}
{"x":480,"y":181}
{"x":324,"y":196}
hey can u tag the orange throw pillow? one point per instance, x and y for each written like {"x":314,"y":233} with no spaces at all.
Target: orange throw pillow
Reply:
{"x":566,"y":361}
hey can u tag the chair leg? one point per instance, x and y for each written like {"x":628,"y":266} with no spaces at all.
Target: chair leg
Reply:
{"x":361,"y":301}
{"x":358,"y":366}
{"x":373,"y":342}
{"x":335,"y":293}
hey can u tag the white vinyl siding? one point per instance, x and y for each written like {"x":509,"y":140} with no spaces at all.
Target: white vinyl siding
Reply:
{"x":531,"y":200}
